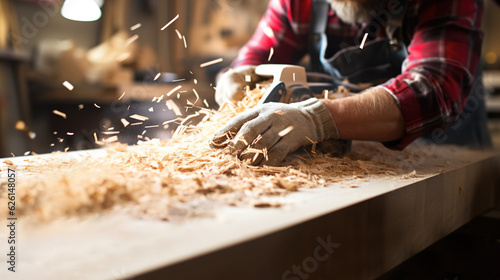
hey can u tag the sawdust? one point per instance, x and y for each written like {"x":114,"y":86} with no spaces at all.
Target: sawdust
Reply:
{"x":183,"y":177}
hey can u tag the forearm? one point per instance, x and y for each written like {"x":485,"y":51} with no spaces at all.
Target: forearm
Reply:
{"x":372,"y":115}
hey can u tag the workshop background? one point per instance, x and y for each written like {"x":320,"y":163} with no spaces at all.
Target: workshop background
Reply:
{"x":123,"y":51}
{"x":120,"y":62}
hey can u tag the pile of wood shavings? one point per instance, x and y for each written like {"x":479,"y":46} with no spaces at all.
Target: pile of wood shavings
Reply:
{"x":178,"y":178}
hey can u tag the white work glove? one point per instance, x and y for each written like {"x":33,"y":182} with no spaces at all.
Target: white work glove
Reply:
{"x":231,"y":84}
{"x":260,"y":127}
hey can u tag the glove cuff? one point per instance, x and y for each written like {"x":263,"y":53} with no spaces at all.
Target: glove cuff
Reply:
{"x":327,"y":129}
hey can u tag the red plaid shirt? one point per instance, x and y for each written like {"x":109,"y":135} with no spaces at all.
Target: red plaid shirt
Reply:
{"x":444,"y":43}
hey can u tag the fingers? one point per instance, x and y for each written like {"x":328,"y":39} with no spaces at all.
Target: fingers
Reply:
{"x":266,"y":134}
{"x":237,"y":122}
{"x":249,"y":134}
{"x":260,"y":145}
{"x":276,"y":154}
{"x":229,"y":131}
{"x":222,"y":140}
{"x":280,"y":150}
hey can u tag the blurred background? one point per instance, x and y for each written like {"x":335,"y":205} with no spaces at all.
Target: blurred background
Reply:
{"x":117,"y":59}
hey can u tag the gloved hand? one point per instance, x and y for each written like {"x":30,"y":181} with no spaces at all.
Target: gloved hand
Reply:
{"x":273,"y":130}
{"x":231,"y":84}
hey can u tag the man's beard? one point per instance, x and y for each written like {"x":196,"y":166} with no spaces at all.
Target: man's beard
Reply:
{"x":356,"y":12}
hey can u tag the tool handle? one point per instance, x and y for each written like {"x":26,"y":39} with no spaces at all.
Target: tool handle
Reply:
{"x":289,"y":74}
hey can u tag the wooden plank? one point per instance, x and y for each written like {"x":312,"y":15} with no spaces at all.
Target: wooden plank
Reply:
{"x":370,"y":229}
{"x":366,"y":239}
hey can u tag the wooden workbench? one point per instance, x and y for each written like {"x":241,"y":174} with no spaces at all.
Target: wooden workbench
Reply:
{"x":335,"y":232}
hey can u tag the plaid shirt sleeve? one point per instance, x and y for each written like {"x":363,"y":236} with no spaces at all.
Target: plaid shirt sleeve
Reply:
{"x":279,"y":37}
{"x":444,"y":48}
{"x":283,"y":32}
{"x":438,"y":74}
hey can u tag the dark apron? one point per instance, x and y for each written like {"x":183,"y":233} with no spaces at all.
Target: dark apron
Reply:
{"x":380,"y":60}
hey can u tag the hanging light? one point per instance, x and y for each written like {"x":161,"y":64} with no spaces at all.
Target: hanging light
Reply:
{"x":81,"y":10}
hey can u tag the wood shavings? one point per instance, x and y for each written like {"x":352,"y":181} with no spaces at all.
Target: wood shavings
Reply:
{"x":152,"y":178}
{"x":174,"y":90}
{"x":68,"y":85}
{"x":313,"y":149}
{"x":362,"y":45}
{"x":110,"y":132}
{"x":135,"y":26}
{"x":410,"y":175}
{"x":156,"y":76}
{"x":269,"y":31}
{"x":96,"y":140}
{"x":271,"y":52}
{"x":285,"y":131}
{"x":212,"y":62}
{"x":113,"y":138}
{"x":131,"y":40}
{"x":170,"y":22}
{"x":178,"y":34}
{"x":124,"y":122}
{"x":59,"y":113}
{"x":139,"y":117}
{"x":172,"y":106}
{"x":197,"y":96}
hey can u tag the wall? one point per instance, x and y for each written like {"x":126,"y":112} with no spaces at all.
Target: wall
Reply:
{"x":491,"y":27}
{"x":39,"y":21}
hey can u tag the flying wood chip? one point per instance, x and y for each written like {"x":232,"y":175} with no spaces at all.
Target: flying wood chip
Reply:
{"x":68,"y":85}
{"x":211,"y":62}
{"x":139,"y":117}
{"x":59,"y":113}
{"x":285,"y":131}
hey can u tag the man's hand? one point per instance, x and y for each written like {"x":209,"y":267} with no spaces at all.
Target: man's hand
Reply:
{"x":267,"y":133}
{"x":231,"y":84}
